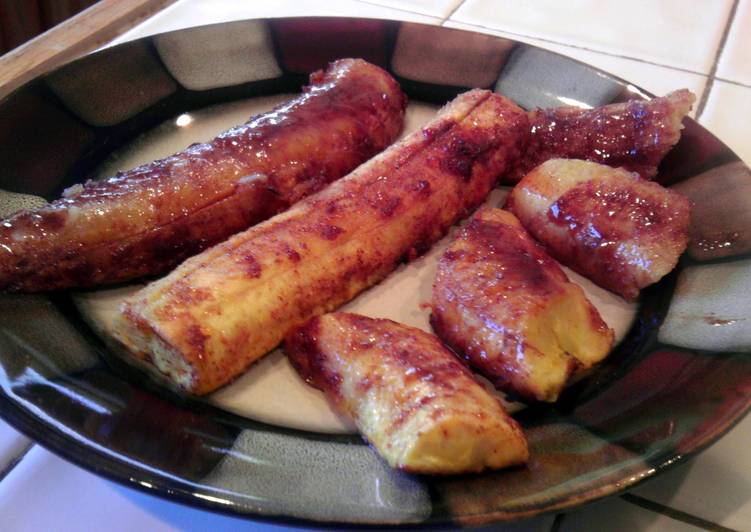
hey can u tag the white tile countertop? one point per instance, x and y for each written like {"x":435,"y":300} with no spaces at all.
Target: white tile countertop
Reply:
{"x":659,"y":45}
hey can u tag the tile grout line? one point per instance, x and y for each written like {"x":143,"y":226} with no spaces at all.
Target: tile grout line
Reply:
{"x":731,"y":82}
{"x":375,"y":3}
{"x":677,"y":515}
{"x":451,"y":13}
{"x":585,"y":48}
{"x":715,"y":64}
{"x":557,"y":522}
{"x":569,"y":45}
{"x":17,"y":460}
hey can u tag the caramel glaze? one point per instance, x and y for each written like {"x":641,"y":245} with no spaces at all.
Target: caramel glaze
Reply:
{"x":488,"y":281}
{"x":378,"y":369}
{"x":618,"y":230}
{"x":330,"y":246}
{"x":601,"y":216}
{"x":149,"y":219}
{"x":416,"y":356}
{"x":635,"y":135}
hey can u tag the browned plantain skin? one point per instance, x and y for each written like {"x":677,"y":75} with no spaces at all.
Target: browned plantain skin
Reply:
{"x":620,"y":231}
{"x":635,"y":135}
{"x":509,"y":310}
{"x":208,"y":320}
{"x":409,"y":396}
{"x":149,"y":219}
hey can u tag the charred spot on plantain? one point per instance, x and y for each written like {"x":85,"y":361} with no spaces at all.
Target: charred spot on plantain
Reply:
{"x":377,"y":195}
{"x":421,"y":247}
{"x":331,"y":207}
{"x":423,"y":189}
{"x":452,"y":255}
{"x":291,"y":252}
{"x":196,"y":338}
{"x":302,"y":346}
{"x":461,"y":153}
{"x":253,"y":268}
{"x":330,"y":232}
{"x":389,"y":205}
{"x":185,"y":294}
{"x":49,"y":220}
{"x":304,"y":353}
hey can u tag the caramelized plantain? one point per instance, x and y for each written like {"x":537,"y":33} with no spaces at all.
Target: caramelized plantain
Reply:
{"x":635,"y":135}
{"x":409,"y":396}
{"x":620,"y":231}
{"x":207,"y":321}
{"x":510,"y":311}
{"x":149,"y":219}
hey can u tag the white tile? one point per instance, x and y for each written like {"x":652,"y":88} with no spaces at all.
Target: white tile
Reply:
{"x":617,"y":515}
{"x":666,"y":32}
{"x":726,"y":115}
{"x":653,"y":78}
{"x":46,"y":493}
{"x":715,"y":485}
{"x":189,"y":13}
{"x":12,"y":445}
{"x":735,"y":61}
{"x":436,"y":8}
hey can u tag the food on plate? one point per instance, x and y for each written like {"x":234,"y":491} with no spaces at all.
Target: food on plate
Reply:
{"x":409,"y":396}
{"x":219,"y":311}
{"x":635,"y":135}
{"x":622,"y":232}
{"x":149,"y":219}
{"x":507,"y":308}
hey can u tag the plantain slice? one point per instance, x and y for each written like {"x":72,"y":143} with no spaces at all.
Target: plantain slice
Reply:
{"x":147,"y":220}
{"x":620,"y":231}
{"x":509,"y":310}
{"x":409,"y":396}
{"x":635,"y":135}
{"x":207,"y":321}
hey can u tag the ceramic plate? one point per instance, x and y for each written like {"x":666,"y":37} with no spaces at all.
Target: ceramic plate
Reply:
{"x":679,"y":378}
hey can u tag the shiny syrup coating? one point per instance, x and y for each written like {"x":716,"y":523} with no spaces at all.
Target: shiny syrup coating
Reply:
{"x":610,"y":225}
{"x":415,"y":355}
{"x":148,"y":219}
{"x":493,"y":272}
{"x":621,"y":231}
{"x":330,"y":246}
{"x":302,"y":349}
{"x":395,"y":382}
{"x":492,"y":283}
{"x":634,"y":135}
